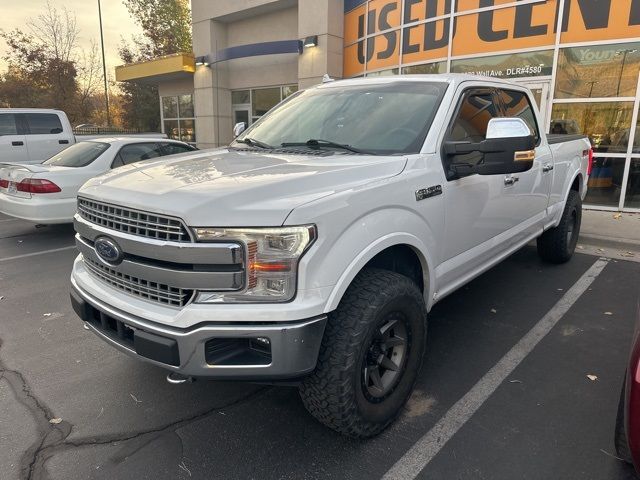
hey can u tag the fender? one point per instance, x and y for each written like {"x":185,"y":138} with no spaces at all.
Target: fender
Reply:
{"x":369,"y":235}
{"x":574,"y":171}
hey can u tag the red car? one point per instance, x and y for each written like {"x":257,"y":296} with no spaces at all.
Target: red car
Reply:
{"x":627,"y":438}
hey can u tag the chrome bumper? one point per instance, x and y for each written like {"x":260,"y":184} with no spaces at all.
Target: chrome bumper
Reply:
{"x":293,"y":346}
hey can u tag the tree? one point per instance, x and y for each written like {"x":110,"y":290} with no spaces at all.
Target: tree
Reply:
{"x":46,"y":67}
{"x":166,"y":27}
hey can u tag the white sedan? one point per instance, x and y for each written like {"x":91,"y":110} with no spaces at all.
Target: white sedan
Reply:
{"x":46,"y":193}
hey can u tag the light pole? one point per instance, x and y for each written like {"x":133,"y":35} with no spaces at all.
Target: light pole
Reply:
{"x":104,"y":66}
{"x":624,"y":54}
{"x":591,"y":88}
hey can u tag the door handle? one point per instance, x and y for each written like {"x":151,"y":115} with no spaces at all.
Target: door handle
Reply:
{"x":547,"y":167}
{"x":63,"y":142}
{"x":508,"y":181}
{"x":17,"y":144}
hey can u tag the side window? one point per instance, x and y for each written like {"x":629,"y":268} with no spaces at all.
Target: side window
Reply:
{"x":43,"y":123}
{"x":175,"y":148}
{"x":472,"y":118}
{"x":8,"y":124}
{"x":135,"y":153}
{"x":517,"y":104}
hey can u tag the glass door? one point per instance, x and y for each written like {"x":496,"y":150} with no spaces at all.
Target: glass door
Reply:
{"x":540,"y":90}
{"x":242,"y":113}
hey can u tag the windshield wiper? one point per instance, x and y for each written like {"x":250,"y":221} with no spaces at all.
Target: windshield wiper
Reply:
{"x":252,"y":142}
{"x":317,"y":143}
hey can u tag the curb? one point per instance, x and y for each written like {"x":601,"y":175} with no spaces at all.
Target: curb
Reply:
{"x":611,"y":242}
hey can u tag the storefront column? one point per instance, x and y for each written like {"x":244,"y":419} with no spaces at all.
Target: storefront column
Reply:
{"x":324,"y":18}
{"x":212,"y":95}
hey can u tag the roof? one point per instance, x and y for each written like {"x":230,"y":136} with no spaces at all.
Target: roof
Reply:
{"x":168,"y":67}
{"x":119,"y":141}
{"x":30,"y":110}
{"x":452,"y":78}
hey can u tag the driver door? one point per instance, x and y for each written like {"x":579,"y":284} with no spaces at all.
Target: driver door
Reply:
{"x":476,"y":209}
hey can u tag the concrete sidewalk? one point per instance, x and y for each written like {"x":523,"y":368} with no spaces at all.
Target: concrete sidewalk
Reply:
{"x":615,"y":233}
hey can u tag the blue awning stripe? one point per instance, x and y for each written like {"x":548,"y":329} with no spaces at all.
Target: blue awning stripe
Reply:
{"x":256,"y":49}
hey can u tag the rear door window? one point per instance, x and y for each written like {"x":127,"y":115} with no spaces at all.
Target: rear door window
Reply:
{"x":43,"y":124}
{"x":8,"y":124}
{"x":135,"y":153}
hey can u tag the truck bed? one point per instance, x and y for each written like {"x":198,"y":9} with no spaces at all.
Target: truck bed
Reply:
{"x":553,"y":138}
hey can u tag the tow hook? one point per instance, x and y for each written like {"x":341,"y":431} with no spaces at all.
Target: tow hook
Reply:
{"x":178,"y":379}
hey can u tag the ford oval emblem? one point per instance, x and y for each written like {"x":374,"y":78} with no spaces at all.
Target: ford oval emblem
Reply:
{"x":108,"y":250}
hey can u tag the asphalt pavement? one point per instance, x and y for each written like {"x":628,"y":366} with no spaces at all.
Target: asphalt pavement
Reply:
{"x":504,"y":392}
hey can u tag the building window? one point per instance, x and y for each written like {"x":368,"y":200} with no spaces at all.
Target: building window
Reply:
{"x":606,"y":124}
{"x":598,"y":71}
{"x":632,"y":199}
{"x":425,"y":68}
{"x":516,"y":65}
{"x":605,"y":182}
{"x":178,"y":118}
{"x":249,"y":105}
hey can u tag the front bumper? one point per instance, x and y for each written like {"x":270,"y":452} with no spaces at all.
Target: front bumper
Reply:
{"x":39,"y":210}
{"x":200,"y":351}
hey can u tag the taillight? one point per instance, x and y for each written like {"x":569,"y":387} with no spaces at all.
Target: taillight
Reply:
{"x":4,"y":183}
{"x":590,"y":164}
{"x":37,"y":185}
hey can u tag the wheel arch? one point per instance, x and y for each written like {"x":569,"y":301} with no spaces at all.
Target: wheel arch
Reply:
{"x":394,"y":252}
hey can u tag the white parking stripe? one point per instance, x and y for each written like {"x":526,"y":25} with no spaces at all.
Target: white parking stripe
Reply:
{"x":425,"y":449}
{"x":9,"y":220}
{"x":37,"y":253}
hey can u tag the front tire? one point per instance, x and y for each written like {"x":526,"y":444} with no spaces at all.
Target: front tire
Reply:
{"x":370,"y":355}
{"x":557,"y":244}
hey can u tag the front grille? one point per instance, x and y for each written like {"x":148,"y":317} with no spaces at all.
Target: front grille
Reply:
{"x":152,"y":291}
{"x":133,"y":222}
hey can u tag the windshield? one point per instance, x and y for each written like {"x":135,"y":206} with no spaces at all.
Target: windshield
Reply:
{"x":383,"y":118}
{"x":78,"y":155}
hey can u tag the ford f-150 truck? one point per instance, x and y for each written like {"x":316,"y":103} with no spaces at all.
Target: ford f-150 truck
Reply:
{"x":311,"y":249}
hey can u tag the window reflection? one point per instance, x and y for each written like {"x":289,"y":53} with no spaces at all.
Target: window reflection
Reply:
{"x":425,"y":68}
{"x":632,"y":199}
{"x":605,"y":182}
{"x":605,"y":123}
{"x":598,"y":71}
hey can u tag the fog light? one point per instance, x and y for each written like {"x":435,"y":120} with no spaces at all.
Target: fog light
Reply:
{"x":264,"y":341}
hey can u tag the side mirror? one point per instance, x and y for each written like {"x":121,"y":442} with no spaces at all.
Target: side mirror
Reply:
{"x":238,"y":128}
{"x":509,"y":148}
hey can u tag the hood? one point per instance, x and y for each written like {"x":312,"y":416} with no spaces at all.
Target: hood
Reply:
{"x":233,"y":188}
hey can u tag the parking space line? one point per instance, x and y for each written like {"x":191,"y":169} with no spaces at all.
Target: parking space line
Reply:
{"x":9,"y":220}
{"x":427,"y":447}
{"x":37,"y":253}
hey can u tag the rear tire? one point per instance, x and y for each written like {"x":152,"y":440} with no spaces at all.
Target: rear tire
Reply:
{"x":370,"y":355}
{"x":620,"y":439}
{"x":557,"y":244}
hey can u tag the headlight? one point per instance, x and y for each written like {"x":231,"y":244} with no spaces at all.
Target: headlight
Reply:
{"x":272,"y":256}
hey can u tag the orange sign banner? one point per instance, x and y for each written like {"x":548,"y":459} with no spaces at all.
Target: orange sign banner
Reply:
{"x":381,"y":34}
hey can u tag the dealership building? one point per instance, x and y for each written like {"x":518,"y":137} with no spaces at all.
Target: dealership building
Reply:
{"x":581,"y":59}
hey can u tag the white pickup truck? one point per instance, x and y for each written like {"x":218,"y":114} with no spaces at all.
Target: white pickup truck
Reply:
{"x":311,"y":250}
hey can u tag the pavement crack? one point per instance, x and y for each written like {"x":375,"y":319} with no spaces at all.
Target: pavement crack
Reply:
{"x":49,"y":449}
{"x":48,"y":434}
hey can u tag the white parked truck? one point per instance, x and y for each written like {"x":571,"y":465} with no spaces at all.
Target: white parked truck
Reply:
{"x":313,"y":247}
{"x":33,"y":135}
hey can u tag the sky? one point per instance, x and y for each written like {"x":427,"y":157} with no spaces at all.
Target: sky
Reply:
{"x":116,"y":22}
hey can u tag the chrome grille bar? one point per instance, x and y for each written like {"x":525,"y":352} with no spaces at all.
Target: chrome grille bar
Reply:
{"x":134,"y":222}
{"x":152,"y":291}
